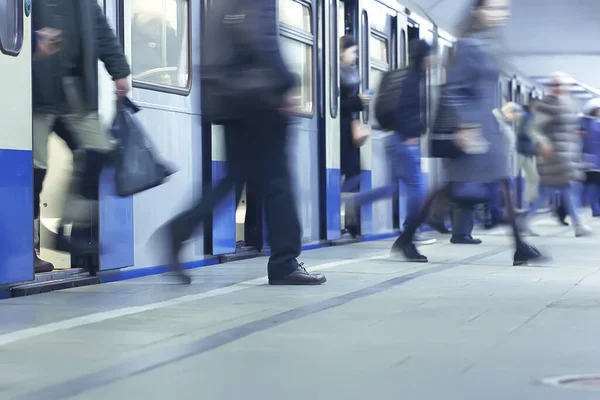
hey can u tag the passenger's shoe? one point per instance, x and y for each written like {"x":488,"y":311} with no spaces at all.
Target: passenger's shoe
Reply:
{"x":583,"y":230}
{"x":438,"y":226}
{"x":40,"y":266}
{"x":408,"y":250}
{"x":561,"y":215}
{"x":526,"y":253}
{"x":420,"y":239}
{"x":174,"y":245}
{"x":299,"y":277}
{"x":464,"y":239}
{"x":74,"y":245}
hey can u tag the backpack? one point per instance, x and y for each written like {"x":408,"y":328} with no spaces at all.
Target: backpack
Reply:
{"x":388,"y":98}
{"x":525,"y":145}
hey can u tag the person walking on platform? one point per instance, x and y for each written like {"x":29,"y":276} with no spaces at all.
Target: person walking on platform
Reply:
{"x":482,"y":154}
{"x":246,"y":87}
{"x":404,"y":146}
{"x":555,"y":118}
{"x":65,"y":94}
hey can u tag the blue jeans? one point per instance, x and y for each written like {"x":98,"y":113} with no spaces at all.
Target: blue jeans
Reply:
{"x":567,"y":193}
{"x":405,"y":164}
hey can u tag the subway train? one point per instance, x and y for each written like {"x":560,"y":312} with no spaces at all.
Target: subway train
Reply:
{"x":163,"y":42}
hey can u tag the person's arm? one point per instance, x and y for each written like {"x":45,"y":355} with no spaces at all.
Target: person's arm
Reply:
{"x":109,"y":49}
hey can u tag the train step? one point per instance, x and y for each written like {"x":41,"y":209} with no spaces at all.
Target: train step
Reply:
{"x":29,"y":289}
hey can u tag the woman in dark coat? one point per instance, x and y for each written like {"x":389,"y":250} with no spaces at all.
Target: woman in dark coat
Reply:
{"x":351,"y":103}
{"x":471,"y":89}
{"x":590,"y":127}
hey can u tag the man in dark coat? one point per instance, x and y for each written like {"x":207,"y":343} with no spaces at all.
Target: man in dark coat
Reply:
{"x":244,"y":43}
{"x":65,"y":94}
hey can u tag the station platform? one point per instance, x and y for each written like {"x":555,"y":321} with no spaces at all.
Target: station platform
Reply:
{"x":467,"y":325}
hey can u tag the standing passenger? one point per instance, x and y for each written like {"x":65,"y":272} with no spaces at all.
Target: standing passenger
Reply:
{"x":242,"y":47}
{"x":472,"y":86}
{"x":351,"y":103}
{"x":65,"y":94}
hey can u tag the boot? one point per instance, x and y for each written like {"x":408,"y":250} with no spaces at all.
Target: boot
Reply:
{"x":40,"y":266}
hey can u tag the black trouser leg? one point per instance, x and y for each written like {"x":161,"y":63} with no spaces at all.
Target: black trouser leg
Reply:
{"x":512,"y":215}
{"x":409,"y":233}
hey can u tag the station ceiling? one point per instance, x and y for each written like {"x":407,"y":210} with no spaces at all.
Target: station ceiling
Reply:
{"x":543,"y":36}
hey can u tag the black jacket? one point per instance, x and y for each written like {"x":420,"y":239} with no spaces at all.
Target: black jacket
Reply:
{"x":243,"y":34}
{"x":98,"y":42}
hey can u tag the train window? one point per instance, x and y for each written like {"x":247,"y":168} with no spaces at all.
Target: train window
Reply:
{"x":11,"y":26}
{"x":295,"y":14}
{"x":334,"y":59}
{"x":378,"y":49}
{"x":159,"y":43}
{"x":297,"y":48}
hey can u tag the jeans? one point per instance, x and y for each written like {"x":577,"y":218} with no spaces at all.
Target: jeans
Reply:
{"x":567,"y":193}
{"x":405,"y":163}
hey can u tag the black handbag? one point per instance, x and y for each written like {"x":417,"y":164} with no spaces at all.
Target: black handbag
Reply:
{"x":441,"y":138}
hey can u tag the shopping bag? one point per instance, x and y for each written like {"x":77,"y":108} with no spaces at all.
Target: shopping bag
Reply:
{"x":137,"y":167}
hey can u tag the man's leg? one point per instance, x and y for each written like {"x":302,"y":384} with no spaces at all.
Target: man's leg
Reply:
{"x":462,"y":226}
{"x":408,"y":159}
{"x":268,"y":140}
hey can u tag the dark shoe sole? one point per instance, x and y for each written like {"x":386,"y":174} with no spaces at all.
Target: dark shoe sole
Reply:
{"x":43,"y":270}
{"x":291,"y":282}
{"x":400,"y":253}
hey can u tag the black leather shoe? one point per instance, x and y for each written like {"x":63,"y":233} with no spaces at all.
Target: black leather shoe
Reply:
{"x":299,"y":277}
{"x":409,"y":252}
{"x":464,"y":239}
{"x":561,"y":215}
{"x":40,"y":266}
{"x":526,"y":253}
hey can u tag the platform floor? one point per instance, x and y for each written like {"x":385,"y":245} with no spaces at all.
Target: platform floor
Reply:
{"x":466,"y":326}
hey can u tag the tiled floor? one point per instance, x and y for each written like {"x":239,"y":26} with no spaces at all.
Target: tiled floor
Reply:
{"x":467,"y":325}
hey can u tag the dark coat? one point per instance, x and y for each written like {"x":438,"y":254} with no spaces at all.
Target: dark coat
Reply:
{"x":472,"y":84}
{"x":98,"y":42}
{"x":243,"y":34}
{"x":350,"y":105}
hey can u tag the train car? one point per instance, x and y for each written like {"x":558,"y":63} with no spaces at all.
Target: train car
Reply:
{"x":162,"y":40}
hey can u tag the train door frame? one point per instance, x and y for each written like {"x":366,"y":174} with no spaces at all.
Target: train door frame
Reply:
{"x":16,"y":213}
{"x":329,"y":145}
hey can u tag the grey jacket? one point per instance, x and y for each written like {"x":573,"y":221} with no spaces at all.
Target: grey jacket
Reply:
{"x":98,"y":42}
{"x":472,"y":86}
{"x":556,"y":119}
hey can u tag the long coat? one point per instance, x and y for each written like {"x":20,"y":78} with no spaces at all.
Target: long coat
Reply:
{"x":472,"y":87}
{"x":557,"y":120}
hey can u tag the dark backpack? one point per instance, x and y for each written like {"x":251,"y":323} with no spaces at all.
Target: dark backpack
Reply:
{"x":525,"y":145}
{"x":388,"y":98}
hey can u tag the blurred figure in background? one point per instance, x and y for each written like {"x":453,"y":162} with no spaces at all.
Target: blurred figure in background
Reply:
{"x":555,"y":118}
{"x":351,"y":136}
{"x":590,"y":128}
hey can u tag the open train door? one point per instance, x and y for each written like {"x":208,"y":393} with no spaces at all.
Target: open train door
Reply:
{"x":16,"y":160}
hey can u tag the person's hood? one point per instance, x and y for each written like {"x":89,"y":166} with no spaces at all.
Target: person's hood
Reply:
{"x":419,"y":49}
